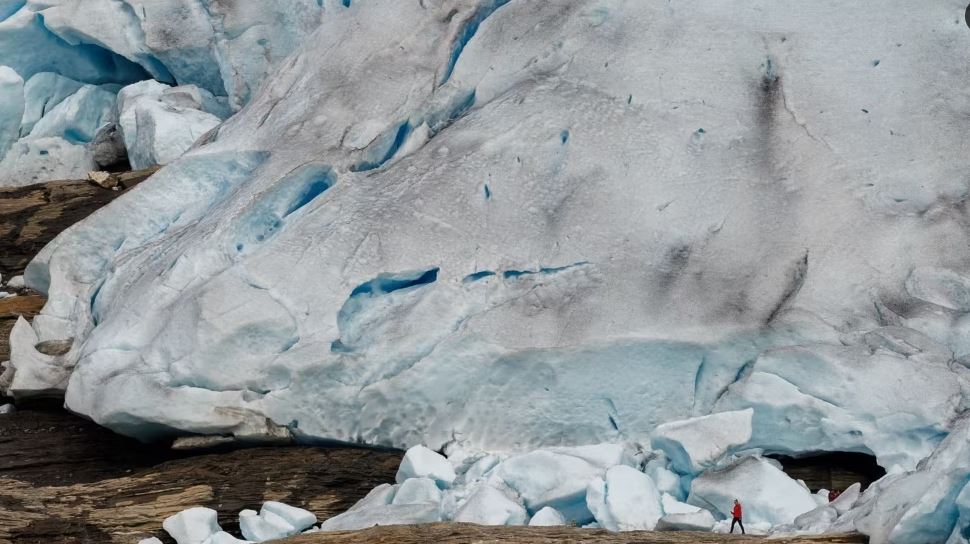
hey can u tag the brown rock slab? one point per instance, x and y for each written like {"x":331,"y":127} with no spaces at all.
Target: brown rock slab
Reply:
{"x":464,"y":533}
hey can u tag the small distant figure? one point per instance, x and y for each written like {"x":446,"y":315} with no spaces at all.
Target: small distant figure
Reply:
{"x":834,"y":494}
{"x":736,"y":516}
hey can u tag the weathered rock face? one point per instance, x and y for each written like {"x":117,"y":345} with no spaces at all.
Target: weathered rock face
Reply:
{"x":32,"y":216}
{"x":66,"y":480}
{"x":460,"y":533}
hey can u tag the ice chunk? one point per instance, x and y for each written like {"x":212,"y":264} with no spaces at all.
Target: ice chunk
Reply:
{"x":152,"y":540}
{"x":919,"y":506}
{"x":701,"y":520}
{"x":192,"y":97}
{"x":480,"y":468}
{"x":627,"y":500}
{"x":192,"y":526}
{"x":547,"y":516}
{"x":416,"y":490}
{"x":265,"y":525}
{"x":11,"y":107}
{"x":42,"y":93}
{"x":602,"y":456}
{"x":390,"y":514}
{"x":35,"y":374}
{"x":804,"y":400}
{"x":847,"y":499}
{"x":490,"y":506}
{"x":7,"y":408}
{"x":816,"y":521}
{"x":297,"y":517}
{"x":665,"y":479}
{"x":38,"y":160}
{"x":672,"y":506}
{"x":543,"y":478}
{"x":421,"y":462}
{"x":381,"y":495}
{"x":160,"y":123}
{"x":77,"y":118}
{"x":695,"y":444}
{"x":16,"y":282}
{"x":766,"y":493}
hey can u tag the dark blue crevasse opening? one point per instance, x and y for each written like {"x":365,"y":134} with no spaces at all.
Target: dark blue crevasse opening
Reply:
{"x":488,"y":192}
{"x":387,"y":283}
{"x":113,"y":67}
{"x":316,"y":185}
{"x":512,"y":273}
{"x":564,"y":136}
{"x":292,"y":193}
{"x":94,"y":301}
{"x":400,"y":136}
{"x":475,"y":276}
{"x":467,"y":32}
{"x":346,"y":3}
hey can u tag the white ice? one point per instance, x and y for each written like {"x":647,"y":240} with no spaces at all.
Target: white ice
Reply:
{"x":160,"y":123}
{"x":421,"y":462}
{"x":193,"y":525}
{"x":490,"y":506}
{"x":11,"y":107}
{"x":264,"y":525}
{"x":767,"y":494}
{"x":540,"y":224}
{"x":625,"y":500}
{"x":698,"y":443}
{"x":547,"y":516}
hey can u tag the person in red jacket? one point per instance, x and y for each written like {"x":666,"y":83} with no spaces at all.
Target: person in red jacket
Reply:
{"x":736,"y":516}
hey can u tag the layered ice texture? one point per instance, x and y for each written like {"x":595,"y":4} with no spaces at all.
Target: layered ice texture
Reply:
{"x":535,"y":224}
{"x":63,"y":49}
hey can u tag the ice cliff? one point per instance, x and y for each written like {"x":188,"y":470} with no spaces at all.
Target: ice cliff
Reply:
{"x":524,"y":224}
{"x":54,"y":52}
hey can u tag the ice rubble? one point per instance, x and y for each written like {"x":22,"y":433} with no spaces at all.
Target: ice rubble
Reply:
{"x":597,"y":217}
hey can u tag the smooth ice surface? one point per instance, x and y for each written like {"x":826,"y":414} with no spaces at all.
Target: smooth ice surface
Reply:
{"x":420,"y":462}
{"x":159,"y":123}
{"x":417,"y":490}
{"x":701,"y":520}
{"x":540,"y":224}
{"x":395,"y":514}
{"x":920,"y":506}
{"x":264,"y":525}
{"x":547,"y":516}
{"x":223,"y":537}
{"x":192,"y":526}
{"x":625,"y":500}
{"x":77,"y":117}
{"x":11,"y":107}
{"x":543,"y":478}
{"x":766,"y":493}
{"x":490,"y":506}
{"x":297,"y":517}
{"x":695,"y":444}
{"x":42,"y":93}
{"x":39,"y":160}
{"x":151,"y":540}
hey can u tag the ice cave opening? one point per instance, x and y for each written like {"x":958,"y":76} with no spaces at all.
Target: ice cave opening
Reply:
{"x":831,"y":470}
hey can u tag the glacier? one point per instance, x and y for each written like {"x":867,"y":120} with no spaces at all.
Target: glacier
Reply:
{"x":520,"y":225}
{"x":224,"y":50}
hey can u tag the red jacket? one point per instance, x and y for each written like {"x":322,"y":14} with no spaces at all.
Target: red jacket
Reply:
{"x":737,"y":511}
